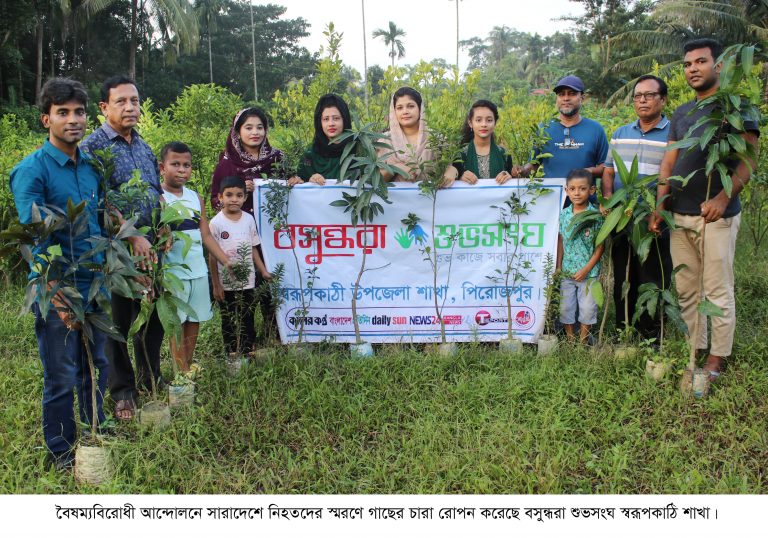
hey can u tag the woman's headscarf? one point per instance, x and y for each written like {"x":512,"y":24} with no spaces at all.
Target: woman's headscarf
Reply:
{"x":321,"y":144}
{"x":405,"y":157}
{"x":250,"y":166}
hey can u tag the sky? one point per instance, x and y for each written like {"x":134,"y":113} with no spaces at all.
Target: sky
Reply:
{"x":430,"y":25}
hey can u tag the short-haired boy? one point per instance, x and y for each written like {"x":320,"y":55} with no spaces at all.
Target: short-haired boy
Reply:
{"x":191,"y":269}
{"x":235,"y":232}
{"x":577,"y":257}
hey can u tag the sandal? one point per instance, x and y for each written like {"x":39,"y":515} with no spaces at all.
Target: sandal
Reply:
{"x":124,"y":410}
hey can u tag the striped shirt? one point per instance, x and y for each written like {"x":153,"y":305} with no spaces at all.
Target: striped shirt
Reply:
{"x":629,"y":141}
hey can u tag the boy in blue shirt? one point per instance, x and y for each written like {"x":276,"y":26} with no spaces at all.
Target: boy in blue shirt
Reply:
{"x":191,"y":269}
{"x":577,"y":257}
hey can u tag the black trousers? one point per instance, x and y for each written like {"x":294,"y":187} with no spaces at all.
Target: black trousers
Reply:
{"x":237,"y":320}
{"x":146,"y":347}
{"x":640,"y":273}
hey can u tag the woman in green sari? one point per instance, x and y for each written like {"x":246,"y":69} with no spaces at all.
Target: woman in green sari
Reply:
{"x":323,"y":158}
{"x":481,"y":158}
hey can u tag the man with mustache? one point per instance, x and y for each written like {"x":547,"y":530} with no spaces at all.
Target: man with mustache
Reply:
{"x":646,"y":140}
{"x":121,"y":109}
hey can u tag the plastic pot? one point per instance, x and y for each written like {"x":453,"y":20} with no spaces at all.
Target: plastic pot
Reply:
{"x":235,"y":363}
{"x":361,"y":351}
{"x":695,"y":383}
{"x":656,"y":370}
{"x":155,"y":415}
{"x":448,"y":349}
{"x":92,"y":465}
{"x":181,"y":395}
{"x":625,"y":352}
{"x":511,"y":345}
{"x":547,"y":344}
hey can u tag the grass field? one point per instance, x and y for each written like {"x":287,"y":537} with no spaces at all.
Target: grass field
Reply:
{"x":408,"y":422}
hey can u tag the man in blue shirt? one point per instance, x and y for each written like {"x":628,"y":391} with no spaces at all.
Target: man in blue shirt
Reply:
{"x":51,"y":176}
{"x":646,"y":139}
{"x":121,"y":108}
{"x":574,"y":141}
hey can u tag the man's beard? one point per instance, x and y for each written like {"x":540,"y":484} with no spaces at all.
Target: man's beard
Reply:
{"x":571,"y":113}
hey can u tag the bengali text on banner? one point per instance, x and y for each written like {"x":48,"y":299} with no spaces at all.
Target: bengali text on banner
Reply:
{"x":397,"y":293}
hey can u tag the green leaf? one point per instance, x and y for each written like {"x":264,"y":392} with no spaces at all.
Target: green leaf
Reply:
{"x":712,"y":159}
{"x":725,"y":179}
{"x":621,"y":168}
{"x":610,"y":223}
{"x":737,"y":143}
{"x":736,"y":121}
{"x":747,"y":59}
{"x":673,"y":313}
{"x":168,"y":316}
{"x":708,"y":308}
{"x":147,"y":307}
{"x":596,"y":289}
{"x":706,"y":136}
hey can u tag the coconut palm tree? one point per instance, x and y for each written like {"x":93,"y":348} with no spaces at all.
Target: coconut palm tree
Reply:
{"x":175,"y":17}
{"x":207,"y":12}
{"x":500,"y":40}
{"x":391,"y":39}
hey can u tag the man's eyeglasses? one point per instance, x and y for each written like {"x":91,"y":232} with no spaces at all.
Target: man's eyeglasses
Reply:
{"x":648,"y":96}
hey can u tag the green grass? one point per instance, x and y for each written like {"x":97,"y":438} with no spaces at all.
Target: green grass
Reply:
{"x":406,"y":422}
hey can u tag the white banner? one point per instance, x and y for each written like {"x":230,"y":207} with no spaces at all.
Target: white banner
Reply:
{"x":396,"y":297}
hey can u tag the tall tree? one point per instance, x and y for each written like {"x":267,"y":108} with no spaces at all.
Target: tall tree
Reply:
{"x":175,"y":18}
{"x":207,"y":12}
{"x":392,"y":39}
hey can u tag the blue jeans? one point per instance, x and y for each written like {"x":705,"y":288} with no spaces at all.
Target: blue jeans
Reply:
{"x":65,"y":368}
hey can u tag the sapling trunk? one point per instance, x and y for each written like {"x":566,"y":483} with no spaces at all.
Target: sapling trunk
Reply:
{"x":611,"y":279}
{"x":433,"y":261}
{"x":92,"y":373}
{"x":153,"y":383}
{"x":663,"y":287}
{"x":358,"y":340}
{"x":303,"y":317}
{"x":626,"y":296}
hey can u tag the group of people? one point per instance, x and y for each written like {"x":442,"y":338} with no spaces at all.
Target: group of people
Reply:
{"x":578,"y":150}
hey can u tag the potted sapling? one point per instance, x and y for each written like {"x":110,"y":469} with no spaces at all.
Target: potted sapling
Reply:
{"x":236,"y":279}
{"x":361,"y":165}
{"x":515,"y":270}
{"x":447,"y":149}
{"x":547,"y":343}
{"x":271,"y":289}
{"x":159,"y":286}
{"x":627,"y":210}
{"x":54,"y":286}
{"x":655,"y":300}
{"x":276,"y":206}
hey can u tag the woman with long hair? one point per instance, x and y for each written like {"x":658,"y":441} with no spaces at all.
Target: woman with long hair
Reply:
{"x":481,"y":158}
{"x":323,"y":158}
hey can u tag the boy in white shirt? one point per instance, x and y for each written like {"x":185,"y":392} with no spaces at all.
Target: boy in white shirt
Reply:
{"x":191,"y":269}
{"x":235,"y":232}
